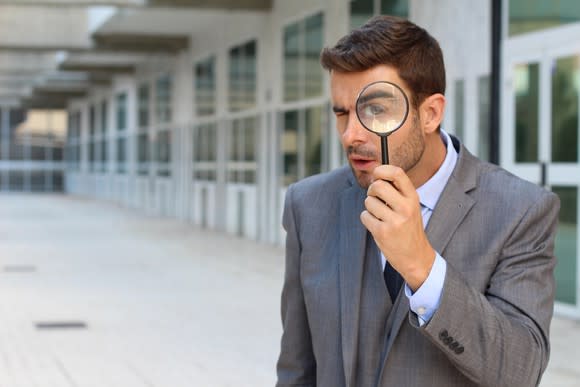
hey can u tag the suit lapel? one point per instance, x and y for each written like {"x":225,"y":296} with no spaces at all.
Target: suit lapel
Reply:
{"x":451,"y":209}
{"x":454,"y":203}
{"x":351,"y":259}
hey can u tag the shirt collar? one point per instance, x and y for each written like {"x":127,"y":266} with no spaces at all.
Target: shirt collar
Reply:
{"x":430,"y":191}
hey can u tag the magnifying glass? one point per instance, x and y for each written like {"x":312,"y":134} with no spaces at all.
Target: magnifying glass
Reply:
{"x":382,"y":107}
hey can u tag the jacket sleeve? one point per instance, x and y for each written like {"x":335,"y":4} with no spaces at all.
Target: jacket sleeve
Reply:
{"x":296,"y":364}
{"x":501,"y":337}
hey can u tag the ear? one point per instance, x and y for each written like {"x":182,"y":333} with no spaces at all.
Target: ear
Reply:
{"x":432,"y":109}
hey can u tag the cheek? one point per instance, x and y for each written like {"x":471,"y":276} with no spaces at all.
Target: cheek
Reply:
{"x":341,"y":123}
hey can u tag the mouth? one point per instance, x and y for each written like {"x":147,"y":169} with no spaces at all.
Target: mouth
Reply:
{"x":363,"y":163}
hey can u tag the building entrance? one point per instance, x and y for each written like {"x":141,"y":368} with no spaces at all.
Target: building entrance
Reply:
{"x":540,"y":142}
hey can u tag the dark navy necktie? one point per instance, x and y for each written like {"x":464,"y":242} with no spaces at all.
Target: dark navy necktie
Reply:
{"x":393,"y":280}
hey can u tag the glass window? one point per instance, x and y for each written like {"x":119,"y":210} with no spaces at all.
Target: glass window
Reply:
{"x":3,"y":155}
{"x":72,"y":157}
{"x":92,"y":155}
{"x":121,"y":155}
{"x":314,"y":43}
{"x":242,"y":151}
{"x":18,"y":134}
{"x":459,"y":109}
{"x":37,"y":135}
{"x":302,"y":143}
{"x":73,"y":148}
{"x":362,"y":10}
{"x":533,"y":15}
{"x":56,"y":152}
{"x":37,"y":181}
{"x":73,"y":127}
{"x":395,"y":7}
{"x":313,"y":140}
{"x":302,"y":71}
{"x":37,"y":152}
{"x":565,"y":78}
{"x":291,"y":56}
{"x":205,"y":87}
{"x":143,"y":106}
{"x":566,"y":249}
{"x":527,"y":106}
{"x":104,"y":155}
{"x":92,"y":120}
{"x":78,"y":158}
{"x":16,"y":180}
{"x":242,"y":82}
{"x":234,"y":140}
{"x":143,"y":154}
{"x":57,"y":181}
{"x":483,"y":90}
{"x":104,"y":117}
{"x":250,"y":137}
{"x":121,"y":111}
{"x":163,"y":99}
{"x":205,"y":151}
{"x":290,"y":147}
{"x":163,"y":155}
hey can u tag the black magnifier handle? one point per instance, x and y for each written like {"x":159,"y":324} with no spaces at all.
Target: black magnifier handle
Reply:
{"x":384,"y":150}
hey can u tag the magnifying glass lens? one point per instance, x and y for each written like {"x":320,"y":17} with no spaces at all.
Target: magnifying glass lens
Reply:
{"x":382,"y":107}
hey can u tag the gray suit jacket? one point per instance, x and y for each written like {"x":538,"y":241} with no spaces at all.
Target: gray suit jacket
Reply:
{"x":496,"y":233}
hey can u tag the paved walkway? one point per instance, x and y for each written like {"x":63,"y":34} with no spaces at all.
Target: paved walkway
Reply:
{"x":93,"y":295}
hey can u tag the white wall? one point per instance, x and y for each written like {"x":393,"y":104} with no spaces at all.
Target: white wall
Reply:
{"x":463,"y":29}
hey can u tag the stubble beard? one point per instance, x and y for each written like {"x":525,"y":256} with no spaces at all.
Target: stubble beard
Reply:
{"x":406,"y":156}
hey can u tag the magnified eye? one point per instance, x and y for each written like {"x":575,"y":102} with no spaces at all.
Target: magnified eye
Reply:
{"x":374,"y":109}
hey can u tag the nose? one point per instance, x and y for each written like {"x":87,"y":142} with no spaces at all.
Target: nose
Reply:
{"x":354,"y":132}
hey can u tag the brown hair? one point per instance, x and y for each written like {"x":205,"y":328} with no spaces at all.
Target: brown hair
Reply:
{"x":395,"y":42}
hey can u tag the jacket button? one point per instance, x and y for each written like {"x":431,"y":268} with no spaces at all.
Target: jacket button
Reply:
{"x":448,"y":340}
{"x":454,"y":345}
{"x":443,"y":334}
{"x":459,"y":350}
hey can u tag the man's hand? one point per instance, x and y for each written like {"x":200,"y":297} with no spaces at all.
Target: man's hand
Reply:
{"x":393,"y":216}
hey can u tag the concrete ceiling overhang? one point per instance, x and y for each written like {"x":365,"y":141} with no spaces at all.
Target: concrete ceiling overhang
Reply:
{"x":200,"y":4}
{"x":43,"y":36}
{"x":140,"y":42}
{"x":57,"y":93}
{"x":55,"y":90}
{"x":256,"y":5}
{"x":44,"y":102}
{"x":43,"y":29}
{"x":74,"y":3}
{"x":102,"y":66}
{"x":98,"y":68}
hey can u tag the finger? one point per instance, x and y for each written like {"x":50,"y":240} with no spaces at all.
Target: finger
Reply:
{"x":386,"y":192}
{"x":377,"y":208}
{"x":398,"y":177}
{"x":370,"y":222}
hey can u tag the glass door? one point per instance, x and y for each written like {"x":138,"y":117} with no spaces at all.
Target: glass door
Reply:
{"x":540,"y":137}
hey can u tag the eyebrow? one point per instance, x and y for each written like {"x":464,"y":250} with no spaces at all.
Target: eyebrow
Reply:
{"x":339,"y":109}
{"x":374,"y":95}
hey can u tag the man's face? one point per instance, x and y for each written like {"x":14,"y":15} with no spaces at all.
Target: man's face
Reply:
{"x":363,"y":148}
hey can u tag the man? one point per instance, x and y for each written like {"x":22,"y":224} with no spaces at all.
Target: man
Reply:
{"x":466,"y":296}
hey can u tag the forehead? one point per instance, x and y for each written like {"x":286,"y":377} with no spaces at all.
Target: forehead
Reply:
{"x":345,"y":87}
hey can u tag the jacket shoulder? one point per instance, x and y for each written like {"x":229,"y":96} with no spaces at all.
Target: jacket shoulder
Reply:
{"x":325,"y":185}
{"x":495,"y":184}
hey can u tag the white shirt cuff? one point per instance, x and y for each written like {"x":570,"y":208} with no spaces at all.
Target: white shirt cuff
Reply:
{"x":425,"y":301}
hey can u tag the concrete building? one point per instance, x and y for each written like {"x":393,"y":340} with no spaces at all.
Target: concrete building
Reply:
{"x":206,"y":110}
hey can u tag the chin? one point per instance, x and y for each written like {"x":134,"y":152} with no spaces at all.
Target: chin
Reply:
{"x":363,"y":178}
